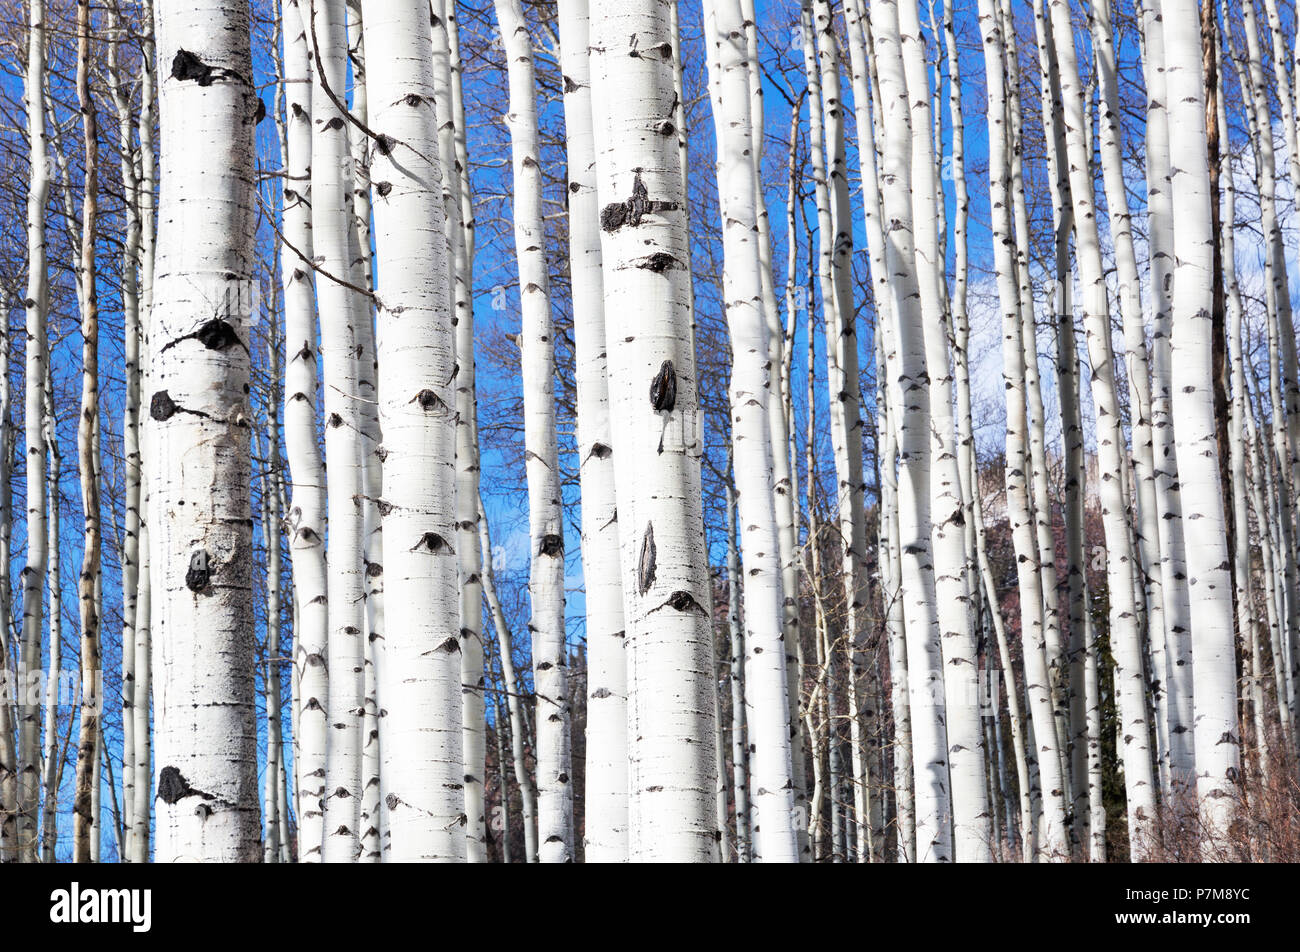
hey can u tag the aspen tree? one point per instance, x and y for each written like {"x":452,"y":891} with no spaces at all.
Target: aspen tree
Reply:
{"x":766,"y":705}
{"x":197,"y":440}
{"x":910,"y":399}
{"x":655,"y":412}
{"x":971,"y":828}
{"x":605,"y":834}
{"x":784,"y":479}
{"x":1178,"y":673}
{"x":451,"y":116}
{"x":129,"y":551}
{"x":341,"y":313}
{"x":144,"y":598}
{"x":546,"y":529}
{"x":421,"y":674}
{"x":85,"y":818}
{"x":514,"y":700}
{"x":1051,"y":842}
{"x":1125,"y":637}
{"x":306,"y":474}
{"x":1209,"y":574}
{"x":36,"y":303}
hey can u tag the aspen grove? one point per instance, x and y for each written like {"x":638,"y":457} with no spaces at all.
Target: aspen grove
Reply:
{"x":546,"y":431}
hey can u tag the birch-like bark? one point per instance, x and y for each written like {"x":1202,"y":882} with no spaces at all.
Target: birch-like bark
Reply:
{"x":341,"y":313}
{"x":545,"y":517}
{"x":85,"y":818}
{"x":451,"y":121}
{"x":306,"y":474}
{"x":739,"y":746}
{"x":129,"y":552}
{"x":1130,"y":680}
{"x":971,"y":827}
{"x":766,"y":703}
{"x":514,"y":701}
{"x":606,"y":794}
{"x":144,"y":598}
{"x":655,"y":412}
{"x":784,"y":479}
{"x":420,"y":683}
{"x":53,"y":766}
{"x":909,"y":396}
{"x":1209,"y":574}
{"x":197,"y":440}
{"x":33,"y":576}
{"x":1051,"y":839}
{"x":1178,"y":672}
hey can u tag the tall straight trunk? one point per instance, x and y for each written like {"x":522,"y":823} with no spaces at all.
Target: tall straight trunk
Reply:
{"x":514,"y":700}
{"x":1051,"y":840}
{"x":37,"y":303}
{"x":306,"y":474}
{"x":971,"y":828}
{"x":1135,"y":347}
{"x":451,"y":122}
{"x":845,"y":399}
{"x":144,"y":599}
{"x":606,"y":794}
{"x":1281,"y":351}
{"x":1209,"y":573}
{"x":1177,"y":675}
{"x":206,"y":734}
{"x":341,"y":313}
{"x":739,"y":746}
{"x":1125,"y":635}
{"x":1040,"y":504}
{"x":766,"y":704}
{"x":130,"y":547}
{"x":784,"y":479}
{"x":53,"y":766}
{"x":545,"y":517}
{"x":655,"y":413}
{"x":909,"y":398}
{"x":85,"y":819}
{"x":421,"y":674}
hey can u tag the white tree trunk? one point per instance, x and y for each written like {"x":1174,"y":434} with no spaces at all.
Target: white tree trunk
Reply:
{"x":1209,"y":573}
{"x":766,"y":703}
{"x":206,"y":735}
{"x":451,"y":132}
{"x":606,"y":794}
{"x":1125,"y":635}
{"x":341,"y":313}
{"x":421,"y":673}
{"x":545,"y":516}
{"x":655,"y":414}
{"x":37,"y":302}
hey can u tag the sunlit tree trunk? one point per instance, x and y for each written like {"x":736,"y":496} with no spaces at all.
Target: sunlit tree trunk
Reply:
{"x":766,"y":706}
{"x":1125,"y":635}
{"x":1209,"y":573}
{"x":420,"y":684}
{"x":655,"y":414}
{"x":197,"y":448}
{"x":33,"y":575}
{"x":605,"y":835}
{"x":451,"y":121}
{"x":546,"y":529}
{"x":85,"y":817}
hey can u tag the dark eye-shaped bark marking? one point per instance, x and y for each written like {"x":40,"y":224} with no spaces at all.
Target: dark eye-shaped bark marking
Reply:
{"x":645,"y":569}
{"x":199,"y":574}
{"x":663,"y":388}
{"x":551,"y":545}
